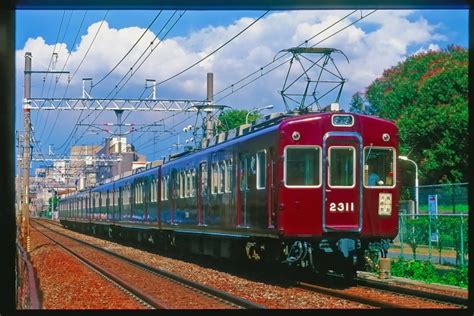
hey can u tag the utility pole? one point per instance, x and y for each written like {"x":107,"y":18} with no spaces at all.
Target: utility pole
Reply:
{"x":25,"y":210}
{"x":210,"y":93}
{"x":25,"y":217}
{"x":18,"y":179}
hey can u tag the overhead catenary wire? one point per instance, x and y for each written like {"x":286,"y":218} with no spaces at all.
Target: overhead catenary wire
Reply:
{"x":214,"y":51}
{"x":282,"y":56}
{"x":261,"y":69}
{"x":67,"y":141}
{"x":129,"y":51}
{"x":38,"y":118}
{"x":208,"y":55}
{"x":64,"y":67}
{"x":162,"y":29}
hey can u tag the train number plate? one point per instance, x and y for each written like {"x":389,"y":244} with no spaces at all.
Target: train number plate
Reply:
{"x":341,"y":207}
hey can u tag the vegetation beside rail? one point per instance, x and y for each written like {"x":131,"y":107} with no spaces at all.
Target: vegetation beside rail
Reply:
{"x":428,"y":272}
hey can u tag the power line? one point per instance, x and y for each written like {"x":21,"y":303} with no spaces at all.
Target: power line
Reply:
{"x":57,"y":78}
{"x":64,"y":66}
{"x":67,"y":141}
{"x":214,"y":51}
{"x":261,"y":69}
{"x":129,"y":51}
{"x":210,"y":54}
{"x":97,"y":116}
{"x":38,"y":119}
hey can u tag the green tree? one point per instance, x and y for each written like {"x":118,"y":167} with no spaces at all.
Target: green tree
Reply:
{"x":427,"y":96}
{"x":234,"y":118}
{"x":360,"y":105}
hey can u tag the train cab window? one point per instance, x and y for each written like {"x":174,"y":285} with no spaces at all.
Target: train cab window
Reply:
{"x":379,"y":167}
{"x":261,"y":169}
{"x":302,"y":166}
{"x":341,"y":166}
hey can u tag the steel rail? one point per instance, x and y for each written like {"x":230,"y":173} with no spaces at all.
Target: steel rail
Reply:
{"x":414,"y":292}
{"x":221,"y":295}
{"x":348,"y":296}
{"x":129,"y":289}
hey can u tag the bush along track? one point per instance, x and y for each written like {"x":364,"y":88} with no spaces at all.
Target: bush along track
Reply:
{"x":427,"y":272}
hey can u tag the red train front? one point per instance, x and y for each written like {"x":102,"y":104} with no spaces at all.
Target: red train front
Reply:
{"x":338,"y":195}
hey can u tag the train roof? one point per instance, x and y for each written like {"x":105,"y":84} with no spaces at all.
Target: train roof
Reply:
{"x":242,"y":133}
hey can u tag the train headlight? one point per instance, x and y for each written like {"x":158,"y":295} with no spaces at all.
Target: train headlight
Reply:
{"x":385,"y":204}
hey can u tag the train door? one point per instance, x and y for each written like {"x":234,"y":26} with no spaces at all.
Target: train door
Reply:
{"x":244,"y":173}
{"x":342,"y":182}
{"x":202,"y":193}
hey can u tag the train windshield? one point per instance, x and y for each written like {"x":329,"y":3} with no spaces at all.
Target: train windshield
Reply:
{"x":341,"y":166}
{"x":302,"y":166}
{"x":379,"y":167}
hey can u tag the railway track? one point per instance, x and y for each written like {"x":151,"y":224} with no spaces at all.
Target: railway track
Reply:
{"x":386,"y":296}
{"x":448,"y":299}
{"x":154,"y":281}
{"x":380,"y":295}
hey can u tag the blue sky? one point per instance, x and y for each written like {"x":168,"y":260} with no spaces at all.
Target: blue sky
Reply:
{"x":375,"y":43}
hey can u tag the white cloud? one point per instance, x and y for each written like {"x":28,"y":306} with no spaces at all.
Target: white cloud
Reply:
{"x":382,"y":40}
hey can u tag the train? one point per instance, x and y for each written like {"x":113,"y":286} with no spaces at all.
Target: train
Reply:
{"x":316,"y":190}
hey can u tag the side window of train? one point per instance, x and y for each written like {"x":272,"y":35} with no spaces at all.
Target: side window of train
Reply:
{"x":228,"y":176}
{"x":261,"y":169}
{"x":192,"y":176}
{"x":166,"y":187}
{"x":203,"y":171}
{"x":182,"y":184}
{"x":175,"y":184}
{"x":244,"y":172}
{"x":214,"y":178}
{"x":188,"y":183}
{"x":221,"y":176}
{"x":155,"y":190}
{"x":135,"y":191}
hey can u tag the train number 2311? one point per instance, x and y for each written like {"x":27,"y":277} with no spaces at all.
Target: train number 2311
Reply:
{"x":341,"y":207}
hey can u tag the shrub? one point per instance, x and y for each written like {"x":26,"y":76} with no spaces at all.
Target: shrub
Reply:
{"x":426,"y":271}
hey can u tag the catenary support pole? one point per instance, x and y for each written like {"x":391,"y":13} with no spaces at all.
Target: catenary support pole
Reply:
{"x":26,"y":156}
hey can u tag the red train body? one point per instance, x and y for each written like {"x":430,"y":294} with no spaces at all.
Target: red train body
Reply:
{"x":315,"y":190}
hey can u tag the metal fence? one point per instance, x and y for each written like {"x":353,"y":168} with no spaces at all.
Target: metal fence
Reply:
{"x":441,"y":238}
{"x":451,"y":198}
